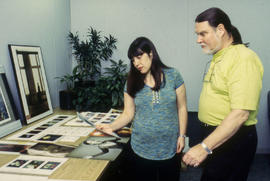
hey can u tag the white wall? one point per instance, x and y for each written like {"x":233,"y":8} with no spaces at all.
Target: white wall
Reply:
{"x":170,"y":25}
{"x":43,"y":23}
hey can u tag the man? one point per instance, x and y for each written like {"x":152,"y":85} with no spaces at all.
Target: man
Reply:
{"x":228,"y":103}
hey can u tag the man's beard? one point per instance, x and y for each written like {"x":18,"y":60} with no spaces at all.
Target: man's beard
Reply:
{"x":208,"y":51}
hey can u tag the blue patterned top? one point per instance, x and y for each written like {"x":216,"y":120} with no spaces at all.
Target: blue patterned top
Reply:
{"x":155,"y":125}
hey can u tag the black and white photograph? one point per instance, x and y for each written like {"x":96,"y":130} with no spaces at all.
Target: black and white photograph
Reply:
{"x":101,"y":148}
{"x":31,"y":81}
{"x":50,"y":149}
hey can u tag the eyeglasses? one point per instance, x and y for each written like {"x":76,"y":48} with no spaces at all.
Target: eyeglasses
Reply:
{"x":209,"y":71}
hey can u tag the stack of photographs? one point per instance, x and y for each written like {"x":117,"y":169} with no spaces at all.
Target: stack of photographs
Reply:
{"x":100,"y":145}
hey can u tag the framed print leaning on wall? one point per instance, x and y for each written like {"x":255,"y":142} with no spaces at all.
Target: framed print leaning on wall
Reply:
{"x":8,"y":122}
{"x":31,"y":81}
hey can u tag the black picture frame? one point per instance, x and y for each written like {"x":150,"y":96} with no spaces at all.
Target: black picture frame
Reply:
{"x":31,"y":82}
{"x":8,"y":118}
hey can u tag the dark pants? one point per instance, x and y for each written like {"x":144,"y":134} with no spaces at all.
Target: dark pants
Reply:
{"x":232,"y":160}
{"x":154,"y":170}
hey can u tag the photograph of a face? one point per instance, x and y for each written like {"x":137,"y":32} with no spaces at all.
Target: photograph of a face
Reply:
{"x":100,"y":148}
{"x":31,"y":81}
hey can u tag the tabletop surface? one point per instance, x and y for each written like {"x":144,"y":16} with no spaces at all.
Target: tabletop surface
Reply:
{"x":73,"y":168}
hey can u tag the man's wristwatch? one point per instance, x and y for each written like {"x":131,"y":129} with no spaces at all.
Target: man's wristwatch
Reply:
{"x":206,"y":148}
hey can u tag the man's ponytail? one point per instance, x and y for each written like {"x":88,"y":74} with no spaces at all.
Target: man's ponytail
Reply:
{"x":237,"y":39}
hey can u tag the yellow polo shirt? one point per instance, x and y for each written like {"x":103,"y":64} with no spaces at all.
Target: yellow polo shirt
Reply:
{"x":233,"y":81}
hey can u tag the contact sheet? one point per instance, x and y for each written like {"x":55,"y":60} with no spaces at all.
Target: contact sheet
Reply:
{"x":37,"y":165}
{"x":43,"y":131}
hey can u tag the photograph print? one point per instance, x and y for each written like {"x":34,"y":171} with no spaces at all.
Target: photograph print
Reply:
{"x":34,"y":165}
{"x":31,"y":81}
{"x":4,"y":114}
{"x":8,"y":121}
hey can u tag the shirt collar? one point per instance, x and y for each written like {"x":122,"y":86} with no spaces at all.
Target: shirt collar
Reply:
{"x":220,"y":53}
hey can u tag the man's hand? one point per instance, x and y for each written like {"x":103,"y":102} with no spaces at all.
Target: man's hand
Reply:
{"x":195,"y":156}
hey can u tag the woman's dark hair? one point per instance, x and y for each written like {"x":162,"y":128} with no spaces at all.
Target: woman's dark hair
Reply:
{"x":135,"y":81}
{"x":216,"y":16}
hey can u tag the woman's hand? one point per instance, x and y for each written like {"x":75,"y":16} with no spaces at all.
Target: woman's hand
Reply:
{"x":180,"y":144}
{"x":105,"y":128}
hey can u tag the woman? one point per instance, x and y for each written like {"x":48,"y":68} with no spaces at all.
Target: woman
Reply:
{"x":155,"y":100}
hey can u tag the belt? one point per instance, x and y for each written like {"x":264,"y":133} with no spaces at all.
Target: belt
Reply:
{"x":206,"y":125}
{"x":210,"y":126}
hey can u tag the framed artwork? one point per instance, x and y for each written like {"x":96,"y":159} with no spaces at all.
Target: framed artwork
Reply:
{"x":8,"y":121}
{"x":31,"y":81}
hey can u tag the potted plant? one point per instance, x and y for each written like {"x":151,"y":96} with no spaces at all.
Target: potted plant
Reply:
{"x":89,"y":54}
{"x":66,"y":96}
{"x":116,"y":77}
{"x":108,"y":91}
